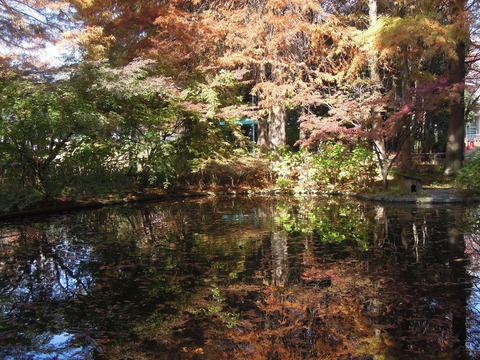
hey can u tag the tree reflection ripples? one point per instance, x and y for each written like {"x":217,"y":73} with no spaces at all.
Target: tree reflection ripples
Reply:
{"x":265,"y":278}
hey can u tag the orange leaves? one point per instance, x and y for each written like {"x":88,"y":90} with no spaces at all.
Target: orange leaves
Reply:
{"x":310,"y":321}
{"x":335,"y":50}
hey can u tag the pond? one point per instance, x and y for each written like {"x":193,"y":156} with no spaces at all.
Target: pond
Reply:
{"x":243,"y":278}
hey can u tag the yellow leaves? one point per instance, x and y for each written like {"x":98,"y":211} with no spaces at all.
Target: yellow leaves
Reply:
{"x":93,"y":41}
{"x":325,"y":77}
{"x":84,"y":4}
{"x":422,"y":36}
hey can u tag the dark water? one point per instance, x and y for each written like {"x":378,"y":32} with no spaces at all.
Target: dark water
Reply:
{"x":243,"y":278}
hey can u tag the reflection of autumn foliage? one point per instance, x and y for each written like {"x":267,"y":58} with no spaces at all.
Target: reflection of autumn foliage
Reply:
{"x":248,"y":282}
{"x":400,"y":296}
{"x":345,"y":309}
{"x":321,"y":318}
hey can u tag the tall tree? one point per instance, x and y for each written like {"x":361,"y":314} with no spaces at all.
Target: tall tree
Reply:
{"x":271,"y":42}
{"x":456,"y":121}
{"x":389,"y":104}
{"x":41,"y":122}
{"x":379,"y":140}
{"x":264,"y":43}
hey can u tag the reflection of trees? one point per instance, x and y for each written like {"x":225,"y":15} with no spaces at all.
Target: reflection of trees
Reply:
{"x":280,"y":258}
{"x":426,"y":286}
{"x":380,"y":232}
{"x":45,"y":257}
{"x":42,"y":267}
{"x":257,"y":278}
{"x":459,"y":279}
{"x":407,"y":296}
{"x":161,"y":274}
{"x":472,"y":244}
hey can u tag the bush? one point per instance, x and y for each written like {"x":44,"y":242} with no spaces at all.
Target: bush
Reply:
{"x":235,"y":171}
{"x":15,"y":198}
{"x":468,"y":179}
{"x":332,"y":166}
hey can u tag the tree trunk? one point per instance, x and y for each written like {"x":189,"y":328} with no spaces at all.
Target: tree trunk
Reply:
{"x":262,"y":139}
{"x":276,"y":127}
{"x":425,"y":145}
{"x":406,"y":154}
{"x":406,"y":148}
{"x":456,"y":121}
{"x":272,"y":134}
{"x":379,"y":141}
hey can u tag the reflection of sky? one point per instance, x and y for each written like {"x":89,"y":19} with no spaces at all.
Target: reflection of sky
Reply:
{"x":472,"y":243}
{"x":74,"y":280}
{"x":55,"y":269}
{"x":59,"y":281}
{"x":53,"y":273}
{"x":54,"y":346}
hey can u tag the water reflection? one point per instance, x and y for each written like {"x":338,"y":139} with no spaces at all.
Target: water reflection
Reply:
{"x":265,"y":278}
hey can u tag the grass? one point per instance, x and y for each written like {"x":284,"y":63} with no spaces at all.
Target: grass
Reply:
{"x":432,"y":176}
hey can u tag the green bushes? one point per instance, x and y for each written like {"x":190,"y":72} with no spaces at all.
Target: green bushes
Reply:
{"x":332,"y":166}
{"x":468,"y":179}
{"x":16,"y":198}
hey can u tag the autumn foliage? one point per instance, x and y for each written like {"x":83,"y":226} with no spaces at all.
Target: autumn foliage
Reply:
{"x":379,"y":75}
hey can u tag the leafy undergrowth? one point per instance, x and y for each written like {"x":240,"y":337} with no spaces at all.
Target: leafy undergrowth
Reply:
{"x":239,"y":172}
{"x":335,"y":169}
{"x":468,"y":180}
{"x":432,"y":176}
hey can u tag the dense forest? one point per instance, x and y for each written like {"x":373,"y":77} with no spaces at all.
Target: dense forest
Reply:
{"x":104,"y":98}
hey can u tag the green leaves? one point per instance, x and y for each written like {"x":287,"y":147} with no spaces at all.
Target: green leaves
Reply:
{"x":333,"y":165}
{"x":38,"y":121}
{"x":468,"y":179}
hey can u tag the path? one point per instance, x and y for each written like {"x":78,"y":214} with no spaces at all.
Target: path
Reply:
{"x":428,"y":196}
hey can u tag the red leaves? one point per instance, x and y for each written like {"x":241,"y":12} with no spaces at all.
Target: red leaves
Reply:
{"x":350,"y":115}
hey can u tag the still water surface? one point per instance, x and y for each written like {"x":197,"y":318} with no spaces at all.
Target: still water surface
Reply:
{"x":243,"y":278}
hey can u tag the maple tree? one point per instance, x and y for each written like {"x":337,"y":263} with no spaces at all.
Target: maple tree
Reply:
{"x":401,"y":86}
{"x":420,"y":88}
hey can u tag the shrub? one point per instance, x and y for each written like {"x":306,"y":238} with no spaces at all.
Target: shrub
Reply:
{"x":332,"y":166}
{"x":15,"y":198}
{"x":468,"y":179}
{"x":235,"y":171}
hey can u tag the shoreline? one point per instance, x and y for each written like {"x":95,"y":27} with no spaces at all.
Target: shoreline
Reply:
{"x":428,"y":196}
